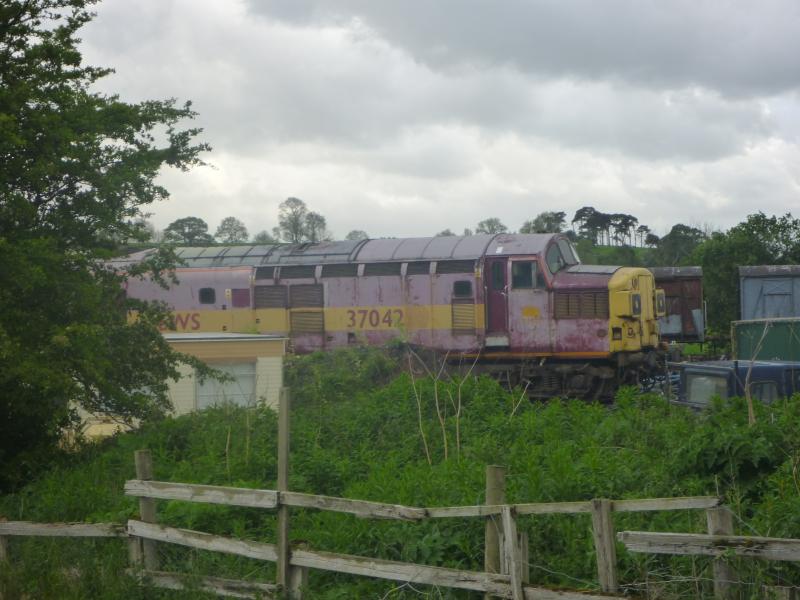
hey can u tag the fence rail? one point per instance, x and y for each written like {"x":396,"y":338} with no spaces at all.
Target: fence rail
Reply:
{"x":711,"y":545}
{"x":505,"y":572}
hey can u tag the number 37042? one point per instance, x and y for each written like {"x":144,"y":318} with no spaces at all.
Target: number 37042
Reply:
{"x":361,"y":318}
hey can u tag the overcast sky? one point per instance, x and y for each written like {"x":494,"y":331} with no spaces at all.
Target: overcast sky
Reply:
{"x":406,"y":118}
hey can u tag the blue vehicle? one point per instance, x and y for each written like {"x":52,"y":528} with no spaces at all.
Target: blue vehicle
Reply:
{"x":701,"y":381}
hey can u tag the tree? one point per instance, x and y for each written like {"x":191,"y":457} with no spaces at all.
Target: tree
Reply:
{"x":545,"y":222}
{"x":292,"y":220}
{"x":264,"y":237}
{"x":673,"y":248}
{"x":642,"y":233}
{"x":231,"y":231}
{"x":651,"y":239}
{"x":491,"y":225}
{"x":623,"y":226}
{"x":759,"y":240}
{"x":445,"y":233}
{"x":315,"y":228}
{"x":356,"y":235}
{"x":76,"y":169}
{"x":188,"y":231}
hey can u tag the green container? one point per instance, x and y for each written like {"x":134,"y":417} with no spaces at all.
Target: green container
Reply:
{"x":766,"y":339}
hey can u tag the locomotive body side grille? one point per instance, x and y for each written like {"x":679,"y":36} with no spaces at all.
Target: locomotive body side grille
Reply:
{"x":307,"y":322}
{"x":306,"y":296}
{"x":270,"y":296}
{"x":580,"y":305}
{"x":463,"y":315}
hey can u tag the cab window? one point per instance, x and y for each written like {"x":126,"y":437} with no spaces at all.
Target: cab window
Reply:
{"x":701,"y":387}
{"x":555,"y":260}
{"x":498,"y":276}
{"x":568,"y":252}
{"x":526,"y":274}
{"x":766,"y":391}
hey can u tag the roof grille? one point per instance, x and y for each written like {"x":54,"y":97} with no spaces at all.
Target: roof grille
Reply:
{"x":382,"y":268}
{"x":298,"y":272}
{"x":265,"y":272}
{"x":455,"y":266}
{"x":340,"y":270}
{"x":418,"y":268}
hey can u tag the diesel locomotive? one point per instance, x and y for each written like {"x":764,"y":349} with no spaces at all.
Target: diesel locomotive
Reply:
{"x":520,"y":306}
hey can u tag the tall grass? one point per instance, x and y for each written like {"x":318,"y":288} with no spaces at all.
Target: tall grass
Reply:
{"x":356,"y":433}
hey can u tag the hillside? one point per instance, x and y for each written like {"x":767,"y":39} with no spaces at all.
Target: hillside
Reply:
{"x":355,"y":433}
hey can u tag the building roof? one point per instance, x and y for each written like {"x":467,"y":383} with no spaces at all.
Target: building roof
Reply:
{"x":769,"y":270}
{"x":676,"y":272}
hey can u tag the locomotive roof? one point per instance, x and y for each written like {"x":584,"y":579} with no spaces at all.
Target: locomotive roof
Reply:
{"x":469,"y":247}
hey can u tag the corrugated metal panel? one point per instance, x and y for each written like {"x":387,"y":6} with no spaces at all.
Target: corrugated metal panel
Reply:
{"x":580,"y":305}
{"x":270,"y":296}
{"x":297,"y":272}
{"x":463,"y":314}
{"x":306,"y":296}
{"x":382,"y":268}
{"x":307,"y":322}
{"x":340,"y":270}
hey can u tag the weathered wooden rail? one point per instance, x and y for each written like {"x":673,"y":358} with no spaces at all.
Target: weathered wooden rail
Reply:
{"x":506,"y":569}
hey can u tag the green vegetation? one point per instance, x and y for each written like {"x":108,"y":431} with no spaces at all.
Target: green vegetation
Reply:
{"x":76,"y":169}
{"x":355,"y":433}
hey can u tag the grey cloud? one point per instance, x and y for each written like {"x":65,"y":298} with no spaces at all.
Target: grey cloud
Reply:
{"x":738,"y":48}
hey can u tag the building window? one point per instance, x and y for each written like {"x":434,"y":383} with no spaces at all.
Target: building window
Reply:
{"x":241,"y":391}
{"x":207,"y":296}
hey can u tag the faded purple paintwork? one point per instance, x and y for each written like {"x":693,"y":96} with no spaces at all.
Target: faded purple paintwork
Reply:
{"x":523,"y":316}
{"x":185,"y":295}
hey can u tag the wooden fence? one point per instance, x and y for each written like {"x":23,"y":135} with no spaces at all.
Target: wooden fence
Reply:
{"x":505,"y":573}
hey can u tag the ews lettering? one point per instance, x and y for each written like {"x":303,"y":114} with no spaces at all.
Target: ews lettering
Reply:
{"x":187,"y":321}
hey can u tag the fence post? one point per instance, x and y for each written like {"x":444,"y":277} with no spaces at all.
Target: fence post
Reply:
{"x":142,"y":551}
{"x":604,"y":545}
{"x":720,"y":522}
{"x":495,"y":494}
{"x":512,"y":553}
{"x":3,"y":544}
{"x":283,"y":577}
